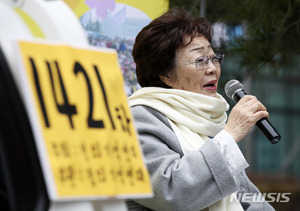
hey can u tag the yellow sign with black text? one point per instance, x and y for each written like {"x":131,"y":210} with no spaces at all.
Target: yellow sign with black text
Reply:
{"x":86,"y":125}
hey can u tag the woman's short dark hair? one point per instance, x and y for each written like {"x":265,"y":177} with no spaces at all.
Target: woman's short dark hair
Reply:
{"x":155,"y":46}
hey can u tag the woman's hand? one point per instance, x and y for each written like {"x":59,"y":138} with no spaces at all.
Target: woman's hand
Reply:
{"x":244,"y":115}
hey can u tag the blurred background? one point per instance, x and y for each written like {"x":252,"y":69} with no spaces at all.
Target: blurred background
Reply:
{"x":261,"y":41}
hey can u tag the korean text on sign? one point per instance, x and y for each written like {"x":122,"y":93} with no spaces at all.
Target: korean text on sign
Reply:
{"x":86,"y":125}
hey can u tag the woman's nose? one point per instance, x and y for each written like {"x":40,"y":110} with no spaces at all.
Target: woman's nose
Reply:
{"x":211,"y":68}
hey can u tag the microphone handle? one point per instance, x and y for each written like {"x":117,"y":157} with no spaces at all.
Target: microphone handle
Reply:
{"x":267,"y":128}
{"x":263,"y":124}
{"x":238,"y":95}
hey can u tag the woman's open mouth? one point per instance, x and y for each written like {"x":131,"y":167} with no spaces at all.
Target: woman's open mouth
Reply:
{"x":211,"y":85}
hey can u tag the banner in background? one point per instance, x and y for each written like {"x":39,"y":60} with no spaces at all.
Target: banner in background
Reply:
{"x":115,"y":24}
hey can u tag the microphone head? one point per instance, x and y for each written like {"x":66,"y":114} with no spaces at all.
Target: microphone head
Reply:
{"x":232,"y":87}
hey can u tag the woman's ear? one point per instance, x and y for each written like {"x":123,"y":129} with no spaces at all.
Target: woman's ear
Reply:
{"x":166,"y":79}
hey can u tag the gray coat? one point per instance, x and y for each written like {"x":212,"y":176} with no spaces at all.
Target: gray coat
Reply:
{"x":181,"y":182}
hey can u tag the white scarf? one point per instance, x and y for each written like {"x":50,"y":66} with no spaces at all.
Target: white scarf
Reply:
{"x":193,"y":117}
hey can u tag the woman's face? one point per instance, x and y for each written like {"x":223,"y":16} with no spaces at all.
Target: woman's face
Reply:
{"x":190,"y":78}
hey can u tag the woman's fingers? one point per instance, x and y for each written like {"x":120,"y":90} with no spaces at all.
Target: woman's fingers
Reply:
{"x":261,"y":114}
{"x":244,"y":115}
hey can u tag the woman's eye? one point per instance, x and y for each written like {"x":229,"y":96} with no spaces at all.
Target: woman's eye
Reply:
{"x":200,"y":60}
{"x":215,"y":60}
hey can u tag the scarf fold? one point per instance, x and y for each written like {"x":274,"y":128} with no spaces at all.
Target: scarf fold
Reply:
{"x":202,"y":114}
{"x":193,"y":117}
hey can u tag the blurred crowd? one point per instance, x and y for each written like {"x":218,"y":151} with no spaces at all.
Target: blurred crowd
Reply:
{"x":124,"y":48}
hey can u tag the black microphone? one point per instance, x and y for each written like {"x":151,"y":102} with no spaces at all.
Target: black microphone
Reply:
{"x":235,"y":90}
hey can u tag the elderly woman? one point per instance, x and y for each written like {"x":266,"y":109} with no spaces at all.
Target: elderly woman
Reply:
{"x":189,"y":145}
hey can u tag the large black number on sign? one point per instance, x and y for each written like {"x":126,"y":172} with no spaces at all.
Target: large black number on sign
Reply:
{"x":91,"y":122}
{"x":104,"y":97}
{"x":39,"y":92}
{"x":65,"y":107}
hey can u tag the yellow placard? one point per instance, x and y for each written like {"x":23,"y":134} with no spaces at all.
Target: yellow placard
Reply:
{"x":86,"y":125}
